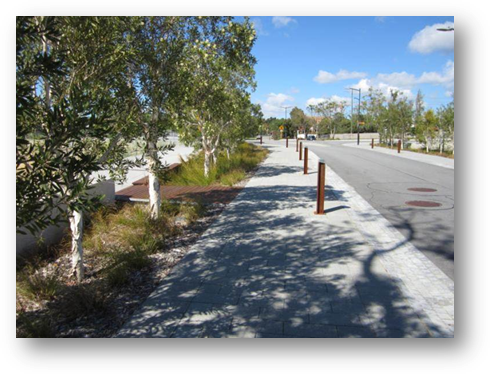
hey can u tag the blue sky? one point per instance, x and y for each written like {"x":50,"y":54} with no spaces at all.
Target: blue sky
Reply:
{"x":306,"y":59}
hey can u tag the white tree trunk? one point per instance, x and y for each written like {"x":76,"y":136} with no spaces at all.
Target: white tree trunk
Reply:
{"x":207,"y":161}
{"x":228,"y":153}
{"x":76,"y":227}
{"x":153,"y":188}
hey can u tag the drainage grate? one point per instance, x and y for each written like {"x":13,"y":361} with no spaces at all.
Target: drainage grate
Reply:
{"x":423,"y":204}
{"x":422,"y":189}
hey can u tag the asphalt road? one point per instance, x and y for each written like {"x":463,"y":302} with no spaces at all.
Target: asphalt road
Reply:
{"x":384,"y":181}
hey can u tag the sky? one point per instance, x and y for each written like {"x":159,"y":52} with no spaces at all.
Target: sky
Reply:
{"x":303,"y":60}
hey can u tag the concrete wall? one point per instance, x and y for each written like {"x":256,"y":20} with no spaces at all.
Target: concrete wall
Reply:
{"x":27,"y":244}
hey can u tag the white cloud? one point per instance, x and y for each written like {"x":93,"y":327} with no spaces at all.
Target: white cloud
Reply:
{"x":429,"y":39}
{"x":335,"y":98}
{"x":315,"y":100}
{"x":274,"y":103}
{"x":282,"y":21}
{"x":446,"y":78}
{"x":259,"y":27}
{"x":326,"y":77}
{"x":339,"y":99}
{"x":405,"y":82}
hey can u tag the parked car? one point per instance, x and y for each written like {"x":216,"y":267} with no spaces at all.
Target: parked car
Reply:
{"x":311,"y":137}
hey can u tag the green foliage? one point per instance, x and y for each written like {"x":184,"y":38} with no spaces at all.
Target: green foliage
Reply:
{"x":427,"y":127}
{"x":332,"y":112}
{"x":220,"y":74}
{"x":72,"y":96}
{"x":227,"y":171}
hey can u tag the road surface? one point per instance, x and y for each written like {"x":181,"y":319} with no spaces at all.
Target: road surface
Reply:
{"x":387,"y":183}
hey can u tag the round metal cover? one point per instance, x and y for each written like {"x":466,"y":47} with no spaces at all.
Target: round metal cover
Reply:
{"x":423,"y":204}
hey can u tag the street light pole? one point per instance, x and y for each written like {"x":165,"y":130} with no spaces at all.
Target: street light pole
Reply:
{"x":285,"y":115}
{"x":351,"y":110}
{"x":358,"y":110}
{"x":358,"y":117}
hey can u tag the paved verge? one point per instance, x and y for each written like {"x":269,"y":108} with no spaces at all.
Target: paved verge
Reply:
{"x":269,"y":267}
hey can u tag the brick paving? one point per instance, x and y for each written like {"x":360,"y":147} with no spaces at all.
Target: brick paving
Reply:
{"x":209,"y":194}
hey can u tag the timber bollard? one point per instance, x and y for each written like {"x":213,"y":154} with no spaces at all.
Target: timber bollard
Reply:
{"x":287,"y":141}
{"x":306,"y":161}
{"x":399,"y":145}
{"x":320,"y":191}
{"x":260,"y":139}
{"x":372,"y":143}
{"x":297,"y":141}
{"x":300,"y":150}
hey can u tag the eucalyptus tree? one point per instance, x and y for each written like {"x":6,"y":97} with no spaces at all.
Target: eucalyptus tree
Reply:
{"x":419,"y":109}
{"x":246,"y":122}
{"x":445,"y":116}
{"x":376,"y":112}
{"x":37,"y":175}
{"x":338,"y":115}
{"x":400,"y":116}
{"x":325,"y":110}
{"x":82,"y":114}
{"x":157,"y":72}
{"x":219,"y":68}
{"x":405,"y":117}
{"x":299,"y":120}
{"x":427,"y":128}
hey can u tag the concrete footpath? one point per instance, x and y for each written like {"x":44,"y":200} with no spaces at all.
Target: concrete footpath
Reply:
{"x":268,"y":267}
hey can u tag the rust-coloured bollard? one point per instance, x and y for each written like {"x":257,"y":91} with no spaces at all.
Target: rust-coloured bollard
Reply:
{"x":260,"y":139}
{"x":306,"y":161}
{"x":287,"y":141}
{"x":300,"y":150}
{"x":297,"y":141}
{"x":372,"y":143}
{"x":399,"y":145}
{"x":320,"y":191}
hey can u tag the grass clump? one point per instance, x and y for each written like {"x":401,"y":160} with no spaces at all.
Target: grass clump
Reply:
{"x":36,"y":286}
{"x":84,"y":299}
{"x":122,"y":264}
{"x":226,"y":171}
